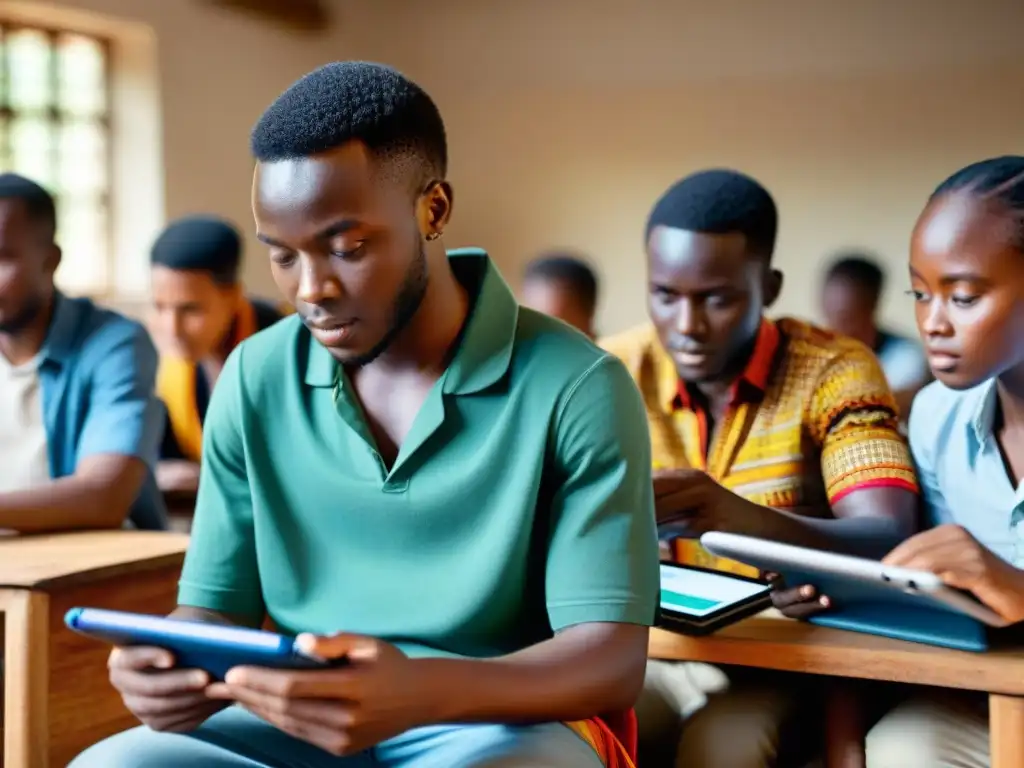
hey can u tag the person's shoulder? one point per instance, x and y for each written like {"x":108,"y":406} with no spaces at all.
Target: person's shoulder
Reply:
{"x":261,"y":353}
{"x":97,"y":330}
{"x":632,"y":346}
{"x":549,"y":343}
{"x":816,"y":349}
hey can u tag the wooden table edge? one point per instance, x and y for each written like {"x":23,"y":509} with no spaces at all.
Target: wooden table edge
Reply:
{"x":100,"y":572}
{"x":913,"y":664}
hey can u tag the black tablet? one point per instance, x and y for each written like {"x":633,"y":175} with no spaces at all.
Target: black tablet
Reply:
{"x":698,"y":601}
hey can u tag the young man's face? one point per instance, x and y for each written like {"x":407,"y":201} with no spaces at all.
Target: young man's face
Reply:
{"x":967,"y":277}
{"x":706,"y":296}
{"x":849,"y":308}
{"x":192,"y":314}
{"x":28,"y":259}
{"x":346,"y":245}
{"x":557,"y":299}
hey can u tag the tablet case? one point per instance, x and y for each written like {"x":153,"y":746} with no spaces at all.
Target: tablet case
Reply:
{"x":876,"y":610}
{"x":214,"y":648}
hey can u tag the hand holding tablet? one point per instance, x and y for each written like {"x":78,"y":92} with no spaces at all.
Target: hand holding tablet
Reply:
{"x":162,"y":667}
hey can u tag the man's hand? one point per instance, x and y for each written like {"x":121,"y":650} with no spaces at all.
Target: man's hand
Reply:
{"x":376,"y":696}
{"x":956,"y":557}
{"x":692,"y":501}
{"x":160,"y":696}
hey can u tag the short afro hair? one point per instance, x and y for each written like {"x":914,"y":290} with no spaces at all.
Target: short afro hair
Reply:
{"x":719,"y":201}
{"x":200,"y":244}
{"x":353,"y":101}
{"x":38,"y":202}
{"x":1000,"y":179}
{"x":569,"y":270}
{"x":861,"y":270}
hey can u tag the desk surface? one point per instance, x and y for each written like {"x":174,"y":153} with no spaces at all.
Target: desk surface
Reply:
{"x":42,"y":562}
{"x":771,"y":641}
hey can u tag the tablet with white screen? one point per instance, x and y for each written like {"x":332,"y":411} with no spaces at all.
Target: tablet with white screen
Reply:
{"x":848,"y":579}
{"x":698,"y":601}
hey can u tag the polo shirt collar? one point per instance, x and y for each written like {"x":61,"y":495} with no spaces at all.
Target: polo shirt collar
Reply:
{"x":60,"y":338}
{"x":485,"y":348}
{"x":754,"y":377}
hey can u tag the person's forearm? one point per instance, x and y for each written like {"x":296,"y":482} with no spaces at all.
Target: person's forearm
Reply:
{"x":67,"y":504}
{"x":582,"y":672}
{"x":871,"y":537}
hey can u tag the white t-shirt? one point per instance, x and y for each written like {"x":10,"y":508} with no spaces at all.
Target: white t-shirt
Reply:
{"x":24,"y":462}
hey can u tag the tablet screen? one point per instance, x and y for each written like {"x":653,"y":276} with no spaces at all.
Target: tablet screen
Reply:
{"x":699,"y":593}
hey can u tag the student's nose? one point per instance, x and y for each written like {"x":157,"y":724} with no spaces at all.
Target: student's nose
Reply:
{"x":317,"y":280}
{"x":936,"y":320}
{"x":690,"y":318}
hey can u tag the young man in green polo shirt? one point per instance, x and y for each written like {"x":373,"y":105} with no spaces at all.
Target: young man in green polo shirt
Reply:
{"x":414,"y":473}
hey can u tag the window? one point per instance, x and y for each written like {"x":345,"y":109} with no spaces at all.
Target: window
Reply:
{"x":55,"y":129}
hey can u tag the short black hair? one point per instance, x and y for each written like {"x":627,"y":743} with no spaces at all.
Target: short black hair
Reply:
{"x":998,"y":178}
{"x":719,"y":201}
{"x":354,"y":100}
{"x":37,"y":201}
{"x":861,"y":270}
{"x":201,"y":244}
{"x":570,"y":270}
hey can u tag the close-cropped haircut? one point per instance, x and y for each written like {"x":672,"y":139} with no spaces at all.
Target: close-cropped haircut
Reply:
{"x":719,"y":201}
{"x":569,"y":270}
{"x":38,"y":202}
{"x":354,"y":101}
{"x":200,"y":244}
{"x":998,"y":179}
{"x":859,"y":269}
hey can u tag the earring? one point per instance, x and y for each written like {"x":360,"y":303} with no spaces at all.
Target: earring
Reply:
{"x":432,"y":236}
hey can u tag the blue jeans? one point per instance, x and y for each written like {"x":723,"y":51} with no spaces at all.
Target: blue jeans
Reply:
{"x":234,"y":738}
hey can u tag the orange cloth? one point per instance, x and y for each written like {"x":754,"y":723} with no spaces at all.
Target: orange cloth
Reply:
{"x":613,"y":738}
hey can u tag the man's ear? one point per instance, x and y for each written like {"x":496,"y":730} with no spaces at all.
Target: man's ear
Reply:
{"x":772,"y":286}
{"x":53,"y":258}
{"x":435,"y":208}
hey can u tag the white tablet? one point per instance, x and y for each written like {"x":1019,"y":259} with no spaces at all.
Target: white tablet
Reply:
{"x":844,"y":577}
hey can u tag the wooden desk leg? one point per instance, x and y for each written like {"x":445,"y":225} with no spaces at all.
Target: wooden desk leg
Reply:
{"x":26,"y":678}
{"x":1006,"y":727}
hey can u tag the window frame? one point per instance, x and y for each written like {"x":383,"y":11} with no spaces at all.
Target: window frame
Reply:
{"x":55,"y":118}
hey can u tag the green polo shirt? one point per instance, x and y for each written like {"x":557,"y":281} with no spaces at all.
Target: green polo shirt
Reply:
{"x":521,"y":501}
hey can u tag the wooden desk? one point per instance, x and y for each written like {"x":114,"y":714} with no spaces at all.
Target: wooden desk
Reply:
{"x":57,"y":699}
{"x":770,"y":641}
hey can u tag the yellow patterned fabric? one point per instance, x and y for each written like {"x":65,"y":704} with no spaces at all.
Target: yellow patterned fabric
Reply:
{"x":816,"y":424}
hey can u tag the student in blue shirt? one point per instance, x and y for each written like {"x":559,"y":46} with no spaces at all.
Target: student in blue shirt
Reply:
{"x":967,"y":437}
{"x":80,"y":425}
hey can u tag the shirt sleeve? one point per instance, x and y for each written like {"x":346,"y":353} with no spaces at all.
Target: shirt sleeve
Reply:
{"x":852,"y":417}
{"x":602,"y":560}
{"x":124,"y":416}
{"x":221,"y":571}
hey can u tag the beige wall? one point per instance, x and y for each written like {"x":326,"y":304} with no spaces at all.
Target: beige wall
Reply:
{"x":568,"y":118}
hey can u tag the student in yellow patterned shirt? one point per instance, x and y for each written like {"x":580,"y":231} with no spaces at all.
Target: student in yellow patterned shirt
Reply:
{"x":775,"y":429}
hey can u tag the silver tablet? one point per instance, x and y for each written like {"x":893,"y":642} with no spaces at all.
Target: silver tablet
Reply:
{"x":829,"y":570}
